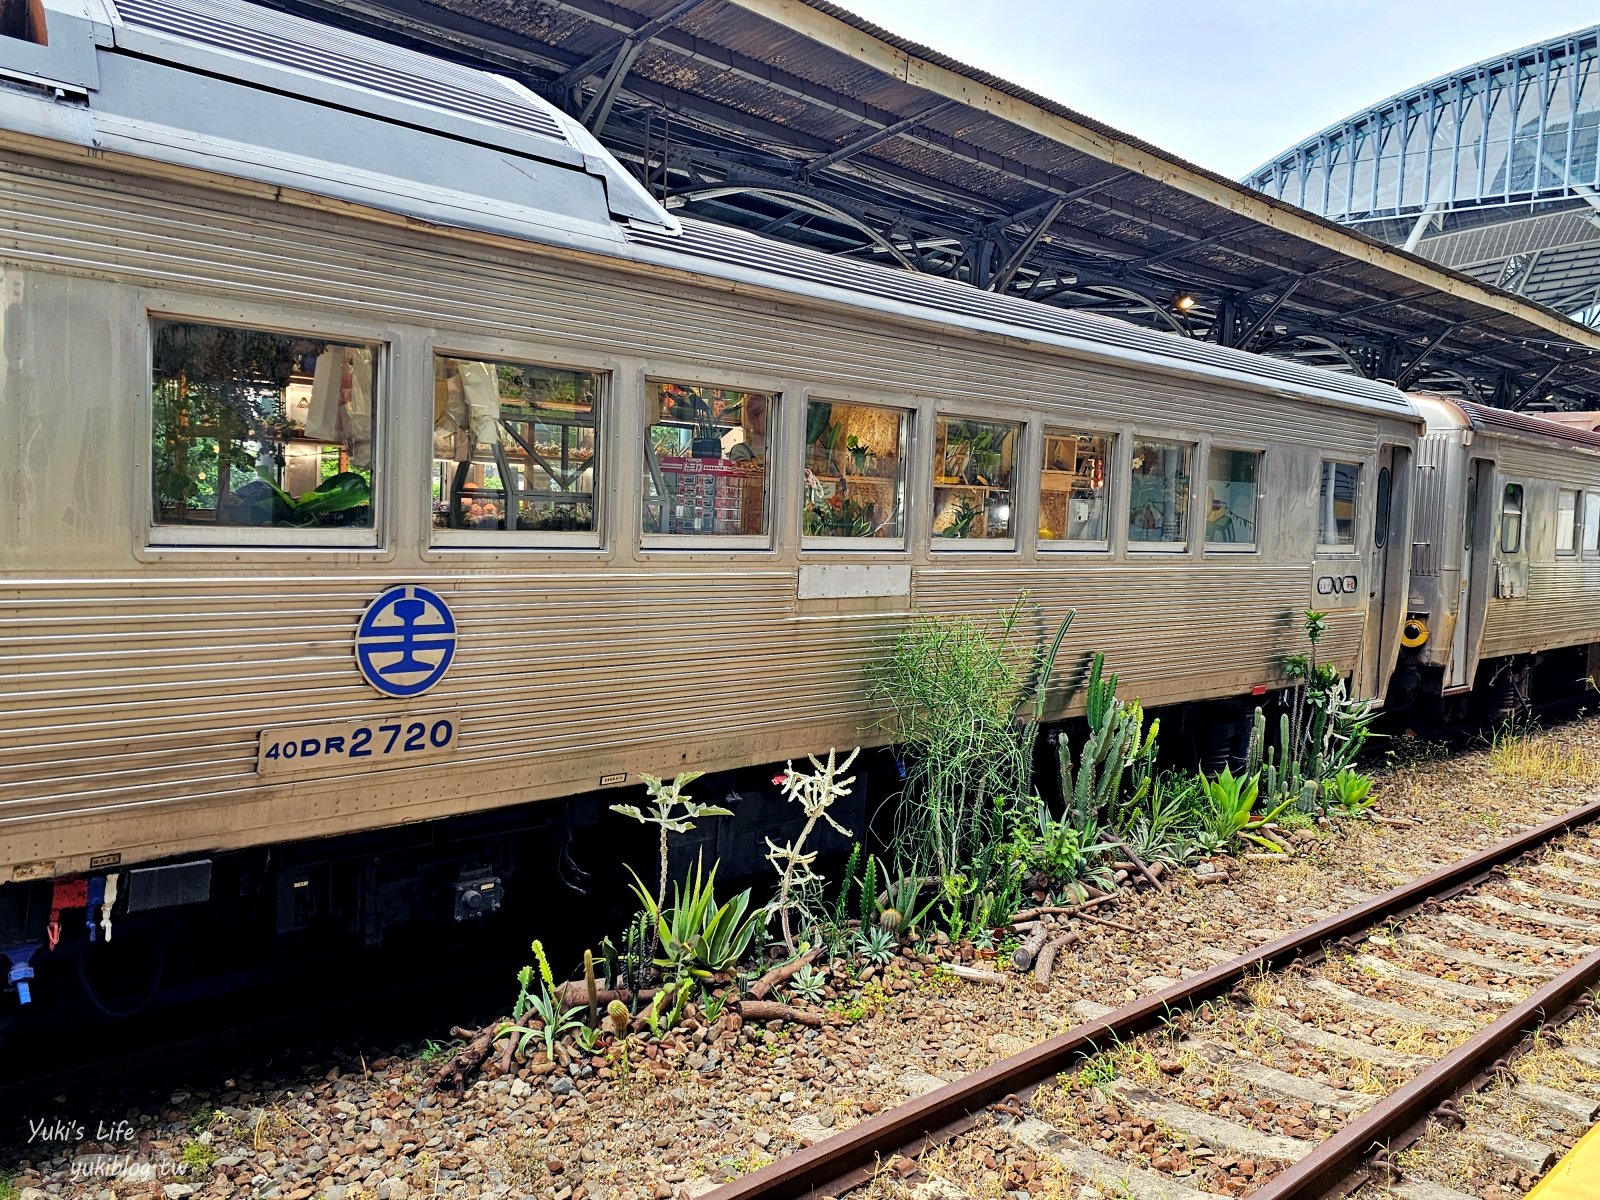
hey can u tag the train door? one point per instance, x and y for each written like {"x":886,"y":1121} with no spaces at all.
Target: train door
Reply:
{"x":1458,"y":671}
{"x":1386,"y":573}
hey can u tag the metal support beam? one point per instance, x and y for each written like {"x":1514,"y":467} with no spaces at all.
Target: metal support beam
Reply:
{"x":1008,"y":270}
{"x":1410,"y":374}
{"x":1265,"y":318}
{"x":867,"y":141}
{"x":1534,"y":388}
{"x":636,"y":37}
{"x":595,"y":113}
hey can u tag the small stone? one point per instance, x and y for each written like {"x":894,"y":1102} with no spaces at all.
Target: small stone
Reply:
{"x":761,"y":1138}
{"x":562,"y":1087}
{"x":177,"y":1191}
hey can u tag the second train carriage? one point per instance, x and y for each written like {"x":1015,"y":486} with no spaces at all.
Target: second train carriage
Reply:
{"x":1506,"y":565}
{"x":355,"y":503}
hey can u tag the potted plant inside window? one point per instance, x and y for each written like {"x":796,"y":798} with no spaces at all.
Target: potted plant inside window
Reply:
{"x":859,"y":453}
{"x":706,"y":440}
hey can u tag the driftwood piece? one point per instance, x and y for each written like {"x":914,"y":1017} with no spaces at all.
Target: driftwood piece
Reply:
{"x":575,"y":994}
{"x":1138,"y":863}
{"x":773,"y":1010}
{"x":1024,"y":955}
{"x":1047,"y":957}
{"x":762,"y":988}
{"x":1398,"y":822}
{"x":1065,"y":910}
{"x":1102,"y":921}
{"x":454,"y":1072}
{"x":975,"y":974}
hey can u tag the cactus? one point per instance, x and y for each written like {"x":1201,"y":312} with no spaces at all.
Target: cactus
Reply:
{"x":617,"y":1013}
{"x":1117,"y":742}
{"x":593,"y":989}
{"x":1258,"y":736}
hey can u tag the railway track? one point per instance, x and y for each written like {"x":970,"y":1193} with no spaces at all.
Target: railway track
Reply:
{"x":1301,"y":1070}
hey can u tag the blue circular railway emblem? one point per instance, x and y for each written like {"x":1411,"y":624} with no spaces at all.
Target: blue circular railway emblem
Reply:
{"x":405,"y":641}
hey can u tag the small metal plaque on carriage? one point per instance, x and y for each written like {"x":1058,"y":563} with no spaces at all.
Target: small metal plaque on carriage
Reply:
{"x":384,"y":742}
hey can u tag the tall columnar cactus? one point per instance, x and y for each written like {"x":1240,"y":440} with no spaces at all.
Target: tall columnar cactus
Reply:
{"x":1117,"y":741}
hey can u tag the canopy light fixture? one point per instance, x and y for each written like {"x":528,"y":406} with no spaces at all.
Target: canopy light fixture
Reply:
{"x":1183,"y":302}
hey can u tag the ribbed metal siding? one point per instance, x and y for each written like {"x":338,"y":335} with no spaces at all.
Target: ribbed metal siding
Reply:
{"x":1167,"y":630}
{"x":1562,"y":608}
{"x":134,"y":691}
{"x":1433,"y":483}
{"x":720,"y":244}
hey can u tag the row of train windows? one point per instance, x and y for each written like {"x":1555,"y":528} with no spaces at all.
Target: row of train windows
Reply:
{"x":1577,"y":520}
{"x":261,"y":429}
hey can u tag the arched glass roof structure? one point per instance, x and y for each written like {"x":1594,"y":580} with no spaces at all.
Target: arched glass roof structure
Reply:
{"x":1492,"y":170}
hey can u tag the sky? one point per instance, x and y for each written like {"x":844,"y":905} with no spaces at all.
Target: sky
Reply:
{"x":1226,"y":84}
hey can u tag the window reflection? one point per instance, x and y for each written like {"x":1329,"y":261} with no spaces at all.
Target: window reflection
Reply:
{"x":1073,"y":502}
{"x":973,"y":465}
{"x":1158,"y":495}
{"x":1336,"y":504}
{"x":254,"y":428}
{"x":855,"y":470}
{"x":706,"y":460}
{"x":514,"y":446}
{"x":1231,"y":498}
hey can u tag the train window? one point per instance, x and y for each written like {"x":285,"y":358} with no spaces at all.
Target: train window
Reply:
{"x":1469,"y":519}
{"x":1566,"y":522}
{"x":1158,"y":496}
{"x":261,"y":430}
{"x":706,"y":461}
{"x":514,"y":448}
{"x":973,"y":466}
{"x":1382,"y":507}
{"x":1511,"y":519}
{"x":855,"y":470}
{"x":1074,"y":496}
{"x":1231,"y":491}
{"x":1336,"y":504}
{"x":1591,"y":522}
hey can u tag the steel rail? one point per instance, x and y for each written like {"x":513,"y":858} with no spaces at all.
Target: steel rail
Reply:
{"x":1381,"y":1126}
{"x":827,"y":1164}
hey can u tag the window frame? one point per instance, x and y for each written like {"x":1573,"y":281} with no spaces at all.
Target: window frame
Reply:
{"x":533,"y":539}
{"x":1590,"y":544}
{"x":1260,"y":455}
{"x":159,"y":537}
{"x":1521,"y":515}
{"x":1012,"y":542}
{"x":778,"y":401}
{"x":1135,"y":546}
{"x":1351,"y":548}
{"x":825,"y":543}
{"x":1574,"y":526}
{"x":1065,"y":545}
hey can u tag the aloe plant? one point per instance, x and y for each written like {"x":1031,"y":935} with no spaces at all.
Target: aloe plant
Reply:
{"x":1232,"y":801}
{"x":697,"y":936}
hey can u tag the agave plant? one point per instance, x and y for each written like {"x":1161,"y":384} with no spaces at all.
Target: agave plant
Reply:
{"x":1232,"y":800}
{"x":699,"y":937}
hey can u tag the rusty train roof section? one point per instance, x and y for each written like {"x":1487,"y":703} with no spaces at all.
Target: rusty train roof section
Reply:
{"x":799,"y":120}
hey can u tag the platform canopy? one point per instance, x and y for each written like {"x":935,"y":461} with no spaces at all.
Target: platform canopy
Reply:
{"x":802,"y":121}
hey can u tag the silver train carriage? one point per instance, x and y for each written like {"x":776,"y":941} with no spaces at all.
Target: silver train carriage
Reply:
{"x":380,"y":456}
{"x":1505,"y":574}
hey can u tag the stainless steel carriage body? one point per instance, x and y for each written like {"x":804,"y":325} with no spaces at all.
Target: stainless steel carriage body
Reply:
{"x":1494,"y":574}
{"x":140,"y":673}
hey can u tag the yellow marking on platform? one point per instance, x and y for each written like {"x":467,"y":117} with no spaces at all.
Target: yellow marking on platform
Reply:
{"x":1576,"y":1176}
